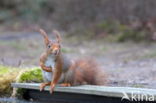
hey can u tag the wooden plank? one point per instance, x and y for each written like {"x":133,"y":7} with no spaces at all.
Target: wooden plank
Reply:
{"x":93,"y":90}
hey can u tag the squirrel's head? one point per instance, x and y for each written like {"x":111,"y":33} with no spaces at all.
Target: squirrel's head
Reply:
{"x":52,"y":47}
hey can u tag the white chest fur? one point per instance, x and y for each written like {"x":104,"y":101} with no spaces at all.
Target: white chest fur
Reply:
{"x":50,"y":62}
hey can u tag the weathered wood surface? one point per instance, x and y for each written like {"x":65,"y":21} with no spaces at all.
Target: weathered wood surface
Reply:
{"x":93,"y":90}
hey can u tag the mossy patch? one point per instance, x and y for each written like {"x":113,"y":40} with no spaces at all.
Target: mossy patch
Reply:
{"x":7,"y":76}
{"x":20,"y":75}
{"x":5,"y":81}
{"x":30,"y":75}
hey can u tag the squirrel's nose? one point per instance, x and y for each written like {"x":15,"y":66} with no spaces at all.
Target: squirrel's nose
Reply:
{"x":55,"y":52}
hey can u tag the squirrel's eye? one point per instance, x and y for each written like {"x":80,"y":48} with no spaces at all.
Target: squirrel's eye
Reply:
{"x":49,"y":46}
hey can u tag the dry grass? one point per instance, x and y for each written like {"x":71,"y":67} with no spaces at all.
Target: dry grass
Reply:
{"x":7,"y":76}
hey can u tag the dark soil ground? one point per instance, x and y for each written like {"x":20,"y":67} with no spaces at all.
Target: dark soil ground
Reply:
{"x":127,"y":64}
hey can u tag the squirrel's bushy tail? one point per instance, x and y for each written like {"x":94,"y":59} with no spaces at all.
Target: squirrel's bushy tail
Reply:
{"x":87,"y":71}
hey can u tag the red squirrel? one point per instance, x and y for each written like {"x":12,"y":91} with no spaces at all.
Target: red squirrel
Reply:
{"x":58,"y":69}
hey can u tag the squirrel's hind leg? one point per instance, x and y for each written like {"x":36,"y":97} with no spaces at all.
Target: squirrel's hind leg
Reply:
{"x":43,"y":85}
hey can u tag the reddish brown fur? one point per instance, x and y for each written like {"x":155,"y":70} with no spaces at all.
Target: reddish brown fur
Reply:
{"x":51,"y":48}
{"x":87,"y":71}
{"x":82,"y":71}
{"x":56,"y":73}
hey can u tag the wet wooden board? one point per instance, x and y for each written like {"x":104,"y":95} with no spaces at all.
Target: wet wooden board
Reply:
{"x":84,"y":93}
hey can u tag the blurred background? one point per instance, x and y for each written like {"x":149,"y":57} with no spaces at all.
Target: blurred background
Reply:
{"x":119,"y":34}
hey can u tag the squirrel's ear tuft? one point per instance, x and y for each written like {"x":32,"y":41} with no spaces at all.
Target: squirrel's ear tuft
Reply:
{"x":46,"y":39}
{"x":57,"y":35}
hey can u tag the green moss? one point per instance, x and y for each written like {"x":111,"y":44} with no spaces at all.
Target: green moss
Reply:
{"x":30,"y":75}
{"x":10,"y":74}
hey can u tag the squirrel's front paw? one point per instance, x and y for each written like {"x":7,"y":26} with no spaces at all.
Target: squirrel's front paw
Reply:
{"x":52,"y":88}
{"x":49,"y":69}
{"x":42,"y":86}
